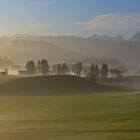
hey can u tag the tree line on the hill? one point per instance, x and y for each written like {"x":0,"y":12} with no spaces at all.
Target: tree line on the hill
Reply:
{"x":78,"y":69}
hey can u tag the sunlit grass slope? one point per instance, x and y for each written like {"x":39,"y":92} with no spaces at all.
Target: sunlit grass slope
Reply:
{"x":76,"y":114}
{"x":80,"y":117}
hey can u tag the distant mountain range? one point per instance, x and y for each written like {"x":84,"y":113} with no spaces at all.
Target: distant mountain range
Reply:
{"x":107,"y":37}
{"x":134,"y":38}
{"x":104,"y":37}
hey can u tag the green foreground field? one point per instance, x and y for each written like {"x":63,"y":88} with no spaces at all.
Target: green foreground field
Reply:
{"x":92,"y":117}
{"x":105,"y":116}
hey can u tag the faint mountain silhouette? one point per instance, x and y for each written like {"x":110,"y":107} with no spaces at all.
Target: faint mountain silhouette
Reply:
{"x":107,"y":37}
{"x":136,"y":37}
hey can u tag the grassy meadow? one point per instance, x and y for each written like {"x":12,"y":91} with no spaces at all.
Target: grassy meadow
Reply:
{"x":40,"y":108}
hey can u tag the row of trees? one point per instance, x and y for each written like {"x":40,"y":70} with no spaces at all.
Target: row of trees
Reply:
{"x":95,"y":72}
{"x":42,"y":67}
{"x":77,"y":69}
{"x":104,"y":72}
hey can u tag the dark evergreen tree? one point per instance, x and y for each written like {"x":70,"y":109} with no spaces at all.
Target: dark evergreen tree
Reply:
{"x":77,"y":69}
{"x":94,"y":72}
{"x":39,"y":67}
{"x":30,"y":66}
{"x":104,"y":71}
{"x":80,"y":67}
{"x":64,"y":69}
{"x":97,"y":72}
{"x":44,"y":67}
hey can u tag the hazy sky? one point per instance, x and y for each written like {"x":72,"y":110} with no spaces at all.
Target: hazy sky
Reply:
{"x":69,"y":17}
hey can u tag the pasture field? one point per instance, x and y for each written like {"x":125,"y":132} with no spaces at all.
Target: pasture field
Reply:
{"x":92,"y":116}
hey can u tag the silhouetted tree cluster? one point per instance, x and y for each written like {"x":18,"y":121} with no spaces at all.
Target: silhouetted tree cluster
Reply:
{"x":93,"y":72}
{"x":104,"y":71}
{"x":31,"y":68}
{"x":116,"y":73}
{"x":62,"y":69}
{"x":42,"y":67}
{"x":77,"y":69}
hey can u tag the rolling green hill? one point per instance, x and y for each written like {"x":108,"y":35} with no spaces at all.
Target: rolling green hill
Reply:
{"x":52,"y":85}
{"x":73,"y":115}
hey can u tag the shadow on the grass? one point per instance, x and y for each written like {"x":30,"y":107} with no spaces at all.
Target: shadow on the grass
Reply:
{"x":55,"y":85}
